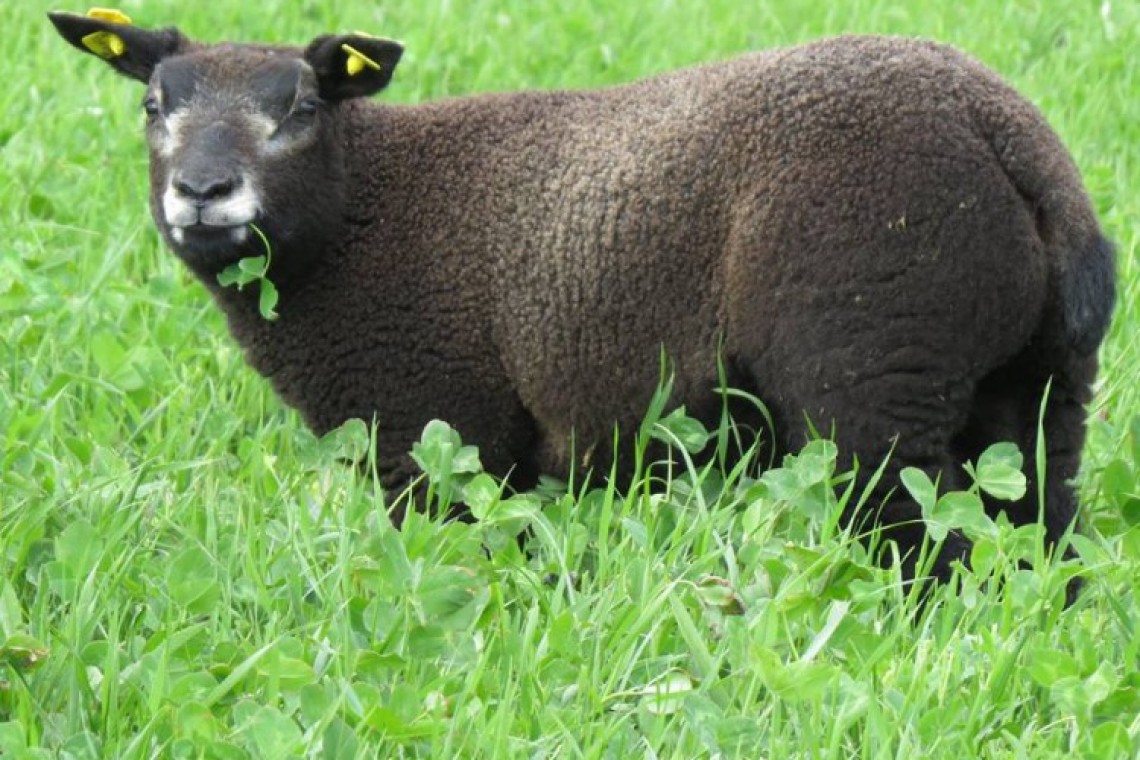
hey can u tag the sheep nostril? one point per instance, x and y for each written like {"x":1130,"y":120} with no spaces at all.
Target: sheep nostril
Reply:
{"x":204,"y":189}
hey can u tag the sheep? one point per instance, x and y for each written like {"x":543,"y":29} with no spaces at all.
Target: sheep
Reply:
{"x":876,"y":236}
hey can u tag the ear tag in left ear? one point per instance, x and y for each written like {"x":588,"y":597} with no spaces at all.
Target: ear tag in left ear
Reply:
{"x":113,"y":15}
{"x":356,"y":61}
{"x":104,"y":44}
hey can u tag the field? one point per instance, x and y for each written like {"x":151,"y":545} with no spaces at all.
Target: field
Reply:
{"x":186,"y":572}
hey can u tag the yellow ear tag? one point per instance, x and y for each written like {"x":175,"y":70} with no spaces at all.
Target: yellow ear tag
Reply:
{"x":113,"y":15}
{"x":357,"y":61}
{"x":104,"y":44}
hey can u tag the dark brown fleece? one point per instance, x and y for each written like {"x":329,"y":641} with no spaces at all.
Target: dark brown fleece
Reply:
{"x":885,"y":237}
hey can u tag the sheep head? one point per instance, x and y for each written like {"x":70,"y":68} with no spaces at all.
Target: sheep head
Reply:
{"x":240,"y":135}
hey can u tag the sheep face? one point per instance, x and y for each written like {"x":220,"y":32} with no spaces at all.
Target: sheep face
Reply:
{"x":241,"y":136}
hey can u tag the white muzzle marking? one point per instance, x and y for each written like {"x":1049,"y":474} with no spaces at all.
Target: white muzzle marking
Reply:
{"x":235,"y":210}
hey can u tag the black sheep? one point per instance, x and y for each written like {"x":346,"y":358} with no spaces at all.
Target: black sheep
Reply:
{"x":876,"y":234}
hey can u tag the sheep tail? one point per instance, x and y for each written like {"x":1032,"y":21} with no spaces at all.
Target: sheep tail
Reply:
{"x":1082,"y":271}
{"x":1088,"y":294}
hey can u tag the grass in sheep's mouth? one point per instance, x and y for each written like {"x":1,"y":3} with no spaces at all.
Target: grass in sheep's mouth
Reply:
{"x":185,"y":572}
{"x":254,"y":269}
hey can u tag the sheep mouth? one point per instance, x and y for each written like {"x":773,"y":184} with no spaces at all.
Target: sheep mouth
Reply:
{"x":210,"y":236}
{"x":210,"y":246}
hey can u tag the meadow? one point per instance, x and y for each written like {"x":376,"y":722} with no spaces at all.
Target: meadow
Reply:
{"x":186,"y":572}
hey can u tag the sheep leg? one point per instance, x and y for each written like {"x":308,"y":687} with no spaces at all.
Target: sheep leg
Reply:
{"x":890,"y":413}
{"x":1007,"y":408}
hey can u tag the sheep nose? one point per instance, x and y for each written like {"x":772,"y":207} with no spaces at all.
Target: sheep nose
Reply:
{"x":204,"y":187}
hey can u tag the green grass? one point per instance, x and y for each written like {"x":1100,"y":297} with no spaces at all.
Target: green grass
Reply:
{"x":186,"y":572}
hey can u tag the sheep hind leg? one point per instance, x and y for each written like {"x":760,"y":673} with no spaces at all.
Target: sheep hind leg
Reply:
{"x":1007,"y":407}
{"x":897,"y":418}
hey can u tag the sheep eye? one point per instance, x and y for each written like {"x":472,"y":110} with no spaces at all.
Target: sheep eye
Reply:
{"x":307,"y":106}
{"x":150,"y":107}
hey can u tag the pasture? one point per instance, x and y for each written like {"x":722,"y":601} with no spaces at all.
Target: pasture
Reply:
{"x":186,"y":572}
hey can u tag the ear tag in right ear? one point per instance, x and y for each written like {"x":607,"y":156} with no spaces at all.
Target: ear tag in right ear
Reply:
{"x":356,"y":61}
{"x":105,"y":44}
{"x":113,"y":15}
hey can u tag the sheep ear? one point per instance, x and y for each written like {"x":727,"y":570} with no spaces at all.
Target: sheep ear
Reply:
{"x":352,"y":65}
{"x":109,"y":35}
